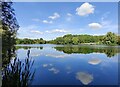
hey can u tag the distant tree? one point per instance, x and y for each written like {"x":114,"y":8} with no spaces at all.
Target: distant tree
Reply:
{"x":118,"y":40}
{"x":75,"y":40}
{"x":68,"y":39}
{"x":110,"y":39}
{"x":59,"y":40}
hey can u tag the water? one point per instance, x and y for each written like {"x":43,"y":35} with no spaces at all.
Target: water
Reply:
{"x":72,"y":65}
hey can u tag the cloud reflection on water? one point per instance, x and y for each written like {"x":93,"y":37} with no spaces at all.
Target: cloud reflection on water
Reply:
{"x":54,"y":70}
{"x":57,"y":55}
{"x":84,"y":77}
{"x":94,"y":61}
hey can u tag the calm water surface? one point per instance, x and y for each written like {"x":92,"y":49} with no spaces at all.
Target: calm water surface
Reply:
{"x":72,"y":65}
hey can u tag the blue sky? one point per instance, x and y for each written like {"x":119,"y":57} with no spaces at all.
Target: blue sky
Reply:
{"x":54,"y":19}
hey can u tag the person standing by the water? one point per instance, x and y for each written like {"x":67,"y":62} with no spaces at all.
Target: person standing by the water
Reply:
{"x":28,"y":53}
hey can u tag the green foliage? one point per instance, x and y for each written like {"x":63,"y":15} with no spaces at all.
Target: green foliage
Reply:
{"x":118,"y":41}
{"x":110,"y":39}
{"x":9,"y":29}
{"x":77,"y":39}
{"x":30,"y":41}
{"x":18,"y":74}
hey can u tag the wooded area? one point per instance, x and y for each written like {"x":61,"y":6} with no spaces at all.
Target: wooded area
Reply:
{"x":108,"y":39}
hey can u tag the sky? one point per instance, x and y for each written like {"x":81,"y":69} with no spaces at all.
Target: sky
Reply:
{"x":49,"y":20}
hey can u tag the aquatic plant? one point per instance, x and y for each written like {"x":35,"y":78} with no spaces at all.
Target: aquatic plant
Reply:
{"x":18,"y":73}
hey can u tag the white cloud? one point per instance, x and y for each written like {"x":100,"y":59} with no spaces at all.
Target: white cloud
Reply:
{"x":85,"y":9}
{"x":37,"y":32}
{"x":47,"y":22}
{"x":30,"y":31}
{"x":84,"y":77}
{"x":54,"y":16}
{"x":57,"y":31}
{"x":95,"y":25}
{"x":68,"y":14}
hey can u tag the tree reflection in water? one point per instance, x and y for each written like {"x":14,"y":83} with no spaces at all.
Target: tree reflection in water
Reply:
{"x":109,"y":51}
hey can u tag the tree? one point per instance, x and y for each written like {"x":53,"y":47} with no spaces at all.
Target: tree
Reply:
{"x":68,"y":39}
{"x":110,"y":39}
{"x":9,"y":30}
{"x":59,"y":40}
{"x":75,"y":40}
{"x":118,"y":40}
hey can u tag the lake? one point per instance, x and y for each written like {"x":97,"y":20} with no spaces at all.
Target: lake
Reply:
{"x":72,"y":65}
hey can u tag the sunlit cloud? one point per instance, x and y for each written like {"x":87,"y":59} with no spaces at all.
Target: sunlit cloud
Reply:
{"x":94,"y":61}
{"x":54,"y":16}
{"x":84,"y":77}
{"x":54,"y":70}
{"x":95,"y":25}
{"x":85,"y":9}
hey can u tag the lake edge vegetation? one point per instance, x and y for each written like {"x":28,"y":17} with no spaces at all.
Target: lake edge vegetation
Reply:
{"x":16,"y":73}
{"x":69,"y":39}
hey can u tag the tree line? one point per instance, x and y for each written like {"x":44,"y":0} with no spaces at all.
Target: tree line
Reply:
{"x":30,"y":41}
{"x":108,"y":39}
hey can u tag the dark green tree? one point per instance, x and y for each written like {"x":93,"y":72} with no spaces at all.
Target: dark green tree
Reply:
{"x":9,"y":30}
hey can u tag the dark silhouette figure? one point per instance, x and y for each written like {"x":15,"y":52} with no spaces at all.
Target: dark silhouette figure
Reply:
{"x":28,"y":53}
